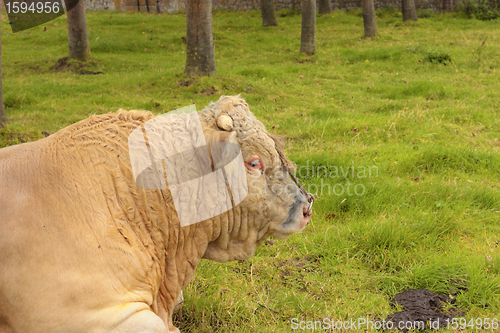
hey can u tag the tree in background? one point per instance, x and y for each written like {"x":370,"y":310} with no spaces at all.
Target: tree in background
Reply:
{"x":409,"y":10}
{"x":78,"y":38}
{"x":369,"y":18}
{"x":268,"y":13}
{"x":200,"y":42}
{"x":3,"y":115}
{"x":325,"y":7}
{"x":308,"y":34}
{"x":159,"y":6}
{"x":448,"y":5}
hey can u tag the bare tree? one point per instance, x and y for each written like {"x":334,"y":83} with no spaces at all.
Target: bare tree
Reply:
{"x":268,"y":13}
{"x":448,"y":5}
{"x":3,"y":115}
{"x":325,"y":7}
{"x":308,"y":34}
{"x":369,"y":18}
{"x":78,"y":38}
{"x":200,"y":42}
{"x":159,"y":6}
{"x":409,"y":10}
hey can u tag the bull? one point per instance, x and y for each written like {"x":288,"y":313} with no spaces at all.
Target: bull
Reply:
{"x":83,"y":248}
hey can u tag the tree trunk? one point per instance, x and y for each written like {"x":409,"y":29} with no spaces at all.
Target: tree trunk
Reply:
{"x":369,"y":19}
{"x":200,"y":43}
{"x":325,"y":7}
{"x":159,"y":6}
{"x":447,"y":5}
{"x":3,"y":115}
{"x":409,"y":10}
{"x":78,"y":38}
{"x":268,"y":13}
{"x":308,"y":34}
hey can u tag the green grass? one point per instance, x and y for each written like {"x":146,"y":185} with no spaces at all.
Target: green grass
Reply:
{"x":416,"y":108}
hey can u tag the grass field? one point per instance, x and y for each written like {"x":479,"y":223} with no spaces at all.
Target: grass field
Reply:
{"x":397,"y":136}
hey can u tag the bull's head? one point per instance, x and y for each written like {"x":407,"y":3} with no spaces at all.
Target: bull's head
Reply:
{"x":276,"y":204}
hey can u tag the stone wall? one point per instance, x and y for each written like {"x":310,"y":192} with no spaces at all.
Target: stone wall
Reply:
{"x":174,"y":5}
{"x":336,"y":4}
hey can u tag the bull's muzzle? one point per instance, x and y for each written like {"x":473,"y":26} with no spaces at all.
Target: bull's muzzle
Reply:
{"x":309,"y":196}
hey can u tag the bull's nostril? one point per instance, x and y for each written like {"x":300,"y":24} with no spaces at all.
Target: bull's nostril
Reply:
{"x":305,"y":211}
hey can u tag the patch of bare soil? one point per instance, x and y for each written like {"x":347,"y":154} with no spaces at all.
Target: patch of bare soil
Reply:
{"x":209,"y":92}
{"x":186,"y":83}
{"x":423,"y":306}
{"x":64,"y":65}
{"x":90,"y":73}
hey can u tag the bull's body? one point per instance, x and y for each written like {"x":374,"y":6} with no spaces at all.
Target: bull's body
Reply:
{"x":83,"y":249}
{"x":64,"y":265}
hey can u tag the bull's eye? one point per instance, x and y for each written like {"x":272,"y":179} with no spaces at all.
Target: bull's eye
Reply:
{"x":254,"y":163}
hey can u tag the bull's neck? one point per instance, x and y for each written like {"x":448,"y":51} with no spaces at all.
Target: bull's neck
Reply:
{"x":97,"y":151}
{"x":145,"y":219}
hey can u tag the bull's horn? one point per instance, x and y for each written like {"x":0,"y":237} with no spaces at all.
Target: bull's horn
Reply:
{"x":225,"y":122}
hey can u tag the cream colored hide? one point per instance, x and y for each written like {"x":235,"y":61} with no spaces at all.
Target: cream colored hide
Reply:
{"x":84,"y":249}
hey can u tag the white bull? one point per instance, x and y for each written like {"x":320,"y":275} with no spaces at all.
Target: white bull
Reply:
{"x":83,"y":248}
